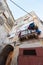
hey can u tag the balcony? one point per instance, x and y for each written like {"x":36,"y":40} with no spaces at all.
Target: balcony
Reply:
{"x":27,"y":34}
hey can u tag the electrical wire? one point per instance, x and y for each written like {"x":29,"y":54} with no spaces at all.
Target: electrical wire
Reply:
{"x":20,"y":7}
{"x":23,"y":10}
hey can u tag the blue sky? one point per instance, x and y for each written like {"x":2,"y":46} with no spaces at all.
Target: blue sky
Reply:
{"x":28,"y":5}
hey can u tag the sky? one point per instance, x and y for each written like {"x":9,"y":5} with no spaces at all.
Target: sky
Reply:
{"x":28,"y":5}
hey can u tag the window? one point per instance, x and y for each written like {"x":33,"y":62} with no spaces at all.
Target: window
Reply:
{"x":29,"y":52}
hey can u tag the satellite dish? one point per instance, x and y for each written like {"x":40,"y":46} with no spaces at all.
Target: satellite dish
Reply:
{"x":1,"y":20}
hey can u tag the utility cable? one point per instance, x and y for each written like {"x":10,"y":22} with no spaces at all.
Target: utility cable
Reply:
{"x":23,"y":9}
{"x":20,"y":7}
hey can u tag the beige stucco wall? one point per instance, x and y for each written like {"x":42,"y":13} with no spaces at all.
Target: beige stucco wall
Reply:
{"x":23,"y":21}
{"x":6,"y":14}
{"x":6,"y":22}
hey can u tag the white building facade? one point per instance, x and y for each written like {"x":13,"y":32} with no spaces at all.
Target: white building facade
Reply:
{"x":6,"y":22}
